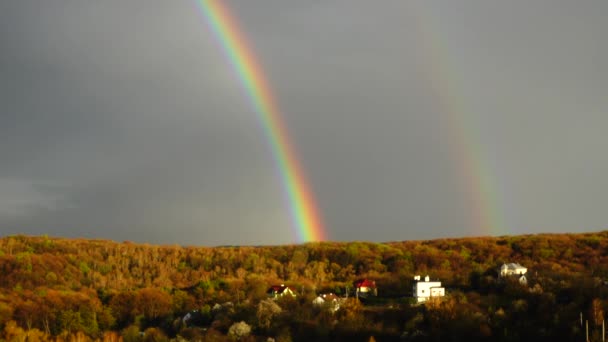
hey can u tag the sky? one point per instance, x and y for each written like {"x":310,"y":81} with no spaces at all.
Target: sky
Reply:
{"x":124,"y":120}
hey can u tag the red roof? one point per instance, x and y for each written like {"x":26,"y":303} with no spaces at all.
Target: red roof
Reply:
{"x":277,"y":289}
{"x":365,"y":283}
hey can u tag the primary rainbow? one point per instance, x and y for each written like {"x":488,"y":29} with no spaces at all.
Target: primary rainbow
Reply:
{"x":304,"y":213}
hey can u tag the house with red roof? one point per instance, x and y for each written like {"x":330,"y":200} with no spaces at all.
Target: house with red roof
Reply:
{"x":365,"y":288}
{"x":276,"y":291}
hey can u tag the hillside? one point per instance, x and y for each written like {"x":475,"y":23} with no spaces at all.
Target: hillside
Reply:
{"x":57,"y":288}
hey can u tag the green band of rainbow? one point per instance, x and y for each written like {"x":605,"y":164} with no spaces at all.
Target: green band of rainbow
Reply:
{"x":304,"y":214}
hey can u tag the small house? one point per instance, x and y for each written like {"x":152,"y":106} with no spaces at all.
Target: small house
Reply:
{"x":328,"y":300}
{"x":423,"y":290}
{"x":277,"y":291}
{"x":513,"y":269}
{"x":365,"y":288}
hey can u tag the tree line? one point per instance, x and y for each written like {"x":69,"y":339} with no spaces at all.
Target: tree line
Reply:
{"x":76,"y":289}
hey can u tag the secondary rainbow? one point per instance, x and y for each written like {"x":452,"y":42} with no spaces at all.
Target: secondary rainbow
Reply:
{"x":302,"y":205}
{"x":471,"y":160}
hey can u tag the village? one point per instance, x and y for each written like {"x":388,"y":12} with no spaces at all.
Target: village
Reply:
{"x":368,"y":294}
{"x":424,"y":289}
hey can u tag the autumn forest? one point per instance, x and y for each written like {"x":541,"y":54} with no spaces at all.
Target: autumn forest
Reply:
{"x":55,"y":289}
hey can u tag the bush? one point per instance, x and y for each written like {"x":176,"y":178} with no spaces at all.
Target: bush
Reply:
{"x":239,"y":330}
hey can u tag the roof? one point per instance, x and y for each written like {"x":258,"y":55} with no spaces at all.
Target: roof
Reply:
{"x":365,"y":283}
{"x":329,"y":296}
{"x":512,"y":266}
{"x":278,"y":289}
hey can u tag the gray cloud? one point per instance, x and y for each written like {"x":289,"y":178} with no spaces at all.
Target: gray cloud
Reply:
{"x":124,"y":120}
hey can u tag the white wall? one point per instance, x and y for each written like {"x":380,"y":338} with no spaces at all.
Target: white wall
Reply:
{"x":426,"y":289}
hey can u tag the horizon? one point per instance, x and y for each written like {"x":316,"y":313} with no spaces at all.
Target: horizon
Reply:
{"x":140,"y":243}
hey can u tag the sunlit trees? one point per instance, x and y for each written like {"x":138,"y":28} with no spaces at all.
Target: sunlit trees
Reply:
{"x":80,"y":289}
{"x":122,"y":307}
{"x":596,"y":312}
{"x":154,"y":335}
{"x":13,"y":332}
{"x":152,"y":303}
{"x":238,"y":331}
{"x":266,"y":311}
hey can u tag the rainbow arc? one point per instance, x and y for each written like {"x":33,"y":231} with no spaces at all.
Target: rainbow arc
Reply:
{"x":302,"y":205}
{"x":478,"y":179}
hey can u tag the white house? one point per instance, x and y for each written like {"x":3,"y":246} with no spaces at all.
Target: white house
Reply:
{"x":423,"y":290}
{"x":514,"y":269}
{"x":328,"y":300}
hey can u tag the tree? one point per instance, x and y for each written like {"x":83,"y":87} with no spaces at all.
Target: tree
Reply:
{"x":26,"y":312}
{"x":122,"y":305}
{"x":13,"y":332}
{"x":182,"y":302}
{"x":351,"y":316}
{"x":267,"y":310}
{"x":154,"y":335}
{"x":131,"y":334}
{"x":6,"y":313}
{"x":596,"y":312}
{"x":239,"y":330}
{"x":153,"y":303}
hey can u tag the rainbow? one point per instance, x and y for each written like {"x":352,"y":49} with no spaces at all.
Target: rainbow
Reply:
{"x":304,"y":214}
{"x":471,"y":160}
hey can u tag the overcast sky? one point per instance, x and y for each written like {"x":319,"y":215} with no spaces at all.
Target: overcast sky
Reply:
{"x":123,"y":120}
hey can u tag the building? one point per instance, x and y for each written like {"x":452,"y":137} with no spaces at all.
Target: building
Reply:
{"x":365,"y":288}
{"x":277,"y":291}
{"x":514,"y":269}
{"x":328,"y":300}
{"x":423,"y":290}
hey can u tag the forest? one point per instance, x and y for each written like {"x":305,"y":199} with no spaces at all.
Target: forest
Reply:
{"x":57,"y":289}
